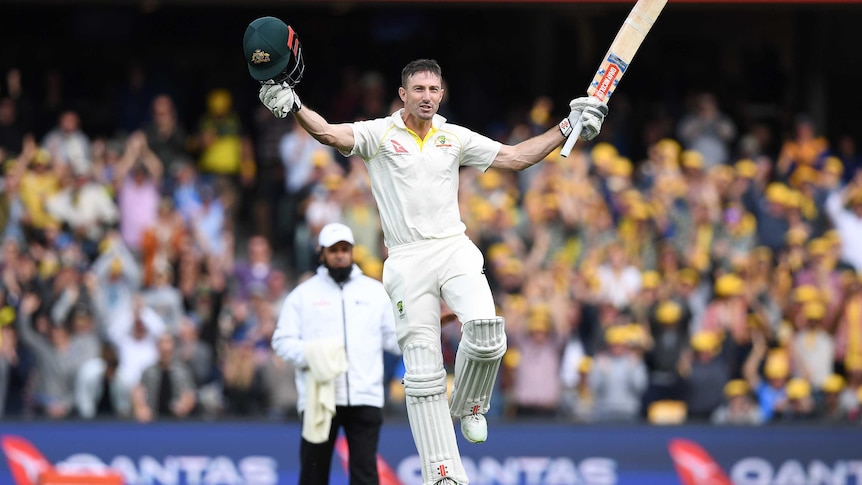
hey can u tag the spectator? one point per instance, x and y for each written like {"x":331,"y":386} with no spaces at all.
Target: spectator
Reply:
{"x":226,"y":151}
{"x":669,"y":331}
{"x":800,"y":403}
{"x":194,"y":353}
{"x":137,"y":182}
{"x":738,"y":408}
{"x":536,"y":386}
{"x":167,"y":388}
{"x":832,"y":407}
{"x":135,"y":340}
{"x":255,"y":269}
{"x":706,"y":129}
{"x":706,"y":374}
{"x":771,"y":389}
{"x":618,"y":379}
{"x":55,"y":358}
{"x":162,"y":240}
{"x":165,"y":134}
{"x":68,"y":145}
{"x":812,"y":349}
{"x":845,"y":211}
{"x":619,"y":281}
{"x":86,"y":208}
{"x":164,"y":298}
{"x":39,"y":183}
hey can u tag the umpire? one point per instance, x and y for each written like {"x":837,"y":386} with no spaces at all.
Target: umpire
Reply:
{"x":334,"y":327}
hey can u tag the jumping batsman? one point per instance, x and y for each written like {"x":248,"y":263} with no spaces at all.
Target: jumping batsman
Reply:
{"x":413,"y":158}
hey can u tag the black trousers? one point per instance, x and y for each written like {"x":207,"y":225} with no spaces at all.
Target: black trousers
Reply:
{"x":361,"y":426}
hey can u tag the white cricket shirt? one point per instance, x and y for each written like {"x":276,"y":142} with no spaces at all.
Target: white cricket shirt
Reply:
{"x":414,"y":181}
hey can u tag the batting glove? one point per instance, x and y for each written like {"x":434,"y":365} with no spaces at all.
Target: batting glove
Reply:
{"x":280,"y":99}
{"x":590,"y":112}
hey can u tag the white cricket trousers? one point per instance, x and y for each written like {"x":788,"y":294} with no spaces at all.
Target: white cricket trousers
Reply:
{"x":418,"y":275}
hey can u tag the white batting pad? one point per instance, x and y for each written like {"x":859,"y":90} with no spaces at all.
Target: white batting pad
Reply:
{"x":483,"y":343}
{"x":427,"y":411}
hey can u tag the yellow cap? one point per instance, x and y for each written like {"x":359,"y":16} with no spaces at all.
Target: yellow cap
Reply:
{"x":692,"y":159}
{"x":804,"y":174}
{"x":833,"y":165}
{"x":539,"y":318}
{"x":834,"y":383}
{"x":668,"y":312}
{"x":798,"y":388}
{"x":806,"y":294}
{"x":776,"y":192}
{"x":650,"y":280}
{"x":814,"y":310}
{"x":704,"y":341}
{"x":819,"y":246}
{"x":728,"y":285}
{"x":796,"y":236}
{"x":603,"y":153}
{"x":777,"y":365}
{"x":622,"y":167}
{"x":736,"y":387}
{"x":745,"y":168}
{"x":668,"y":146}
{"x":616,"y":335}
{"x":219,"y":101}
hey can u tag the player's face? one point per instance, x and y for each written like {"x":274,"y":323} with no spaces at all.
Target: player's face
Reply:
{"x":422,"y":95}
{"x":339,"y":255}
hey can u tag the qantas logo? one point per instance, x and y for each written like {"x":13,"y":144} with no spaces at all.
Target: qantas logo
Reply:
{"x":694,"y":465}
{"x":398,"y":147}
{"x":29,"y":467}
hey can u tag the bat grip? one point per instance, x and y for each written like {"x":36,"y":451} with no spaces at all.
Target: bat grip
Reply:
{"x":573,"y":137}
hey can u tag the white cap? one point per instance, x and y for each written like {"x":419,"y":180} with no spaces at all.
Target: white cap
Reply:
{"x":335,"y":233}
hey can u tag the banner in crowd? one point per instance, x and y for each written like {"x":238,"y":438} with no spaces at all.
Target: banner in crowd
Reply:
{"x":266,"y":453}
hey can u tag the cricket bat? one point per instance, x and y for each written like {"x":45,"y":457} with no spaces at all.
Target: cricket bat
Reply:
{"x":619,"y":56}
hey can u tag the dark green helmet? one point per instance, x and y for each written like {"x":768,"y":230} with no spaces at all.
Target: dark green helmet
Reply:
{"x":273,"y":52}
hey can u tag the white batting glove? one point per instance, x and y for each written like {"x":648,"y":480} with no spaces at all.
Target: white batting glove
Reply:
{"x":280,"y":99}
{"x":590,"y":111}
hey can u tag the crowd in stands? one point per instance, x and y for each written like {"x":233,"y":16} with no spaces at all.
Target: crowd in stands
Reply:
{"x":709,"y":280}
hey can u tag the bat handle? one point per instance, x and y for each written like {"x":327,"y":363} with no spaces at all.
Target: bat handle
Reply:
{"x":573,"y":137}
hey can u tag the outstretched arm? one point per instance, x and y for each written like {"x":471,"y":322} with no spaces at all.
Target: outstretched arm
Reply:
{"x":281,"y":100}
{"x":588,"y":110}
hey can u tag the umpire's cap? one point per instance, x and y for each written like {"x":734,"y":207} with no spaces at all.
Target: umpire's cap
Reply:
{"x":272,"y":51}
{"x":334,"y":233}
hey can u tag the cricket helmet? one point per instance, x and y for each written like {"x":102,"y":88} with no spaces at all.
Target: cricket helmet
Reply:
{"x":273,"y":52}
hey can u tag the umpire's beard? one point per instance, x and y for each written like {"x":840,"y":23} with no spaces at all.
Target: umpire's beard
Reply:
{"x":340,"y":275}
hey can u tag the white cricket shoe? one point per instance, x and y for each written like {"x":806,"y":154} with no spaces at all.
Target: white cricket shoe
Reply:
{"x":474,"y":428}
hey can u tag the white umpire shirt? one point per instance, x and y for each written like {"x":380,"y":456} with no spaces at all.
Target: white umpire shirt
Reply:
{"x":415,"y":182}
{"x":360,"y":312}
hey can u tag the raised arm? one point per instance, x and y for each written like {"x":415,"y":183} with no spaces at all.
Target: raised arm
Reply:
{"x":281,"y":100}
{"x":588,"y":110}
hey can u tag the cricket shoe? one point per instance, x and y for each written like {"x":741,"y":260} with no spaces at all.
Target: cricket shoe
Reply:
{"x":446,"y":481}
{"x":474,"y":428}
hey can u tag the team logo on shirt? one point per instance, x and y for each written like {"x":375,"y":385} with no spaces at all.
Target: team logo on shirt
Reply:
{"x":400,"y":306}
{"x":441,"y":142}
{"x":398,"y":147}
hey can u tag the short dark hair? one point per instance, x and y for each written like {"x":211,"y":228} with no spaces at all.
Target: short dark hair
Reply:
{"x":420,"y":65}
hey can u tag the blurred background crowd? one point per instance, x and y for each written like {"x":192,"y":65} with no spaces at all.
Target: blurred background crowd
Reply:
{"x":712,"y":280}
